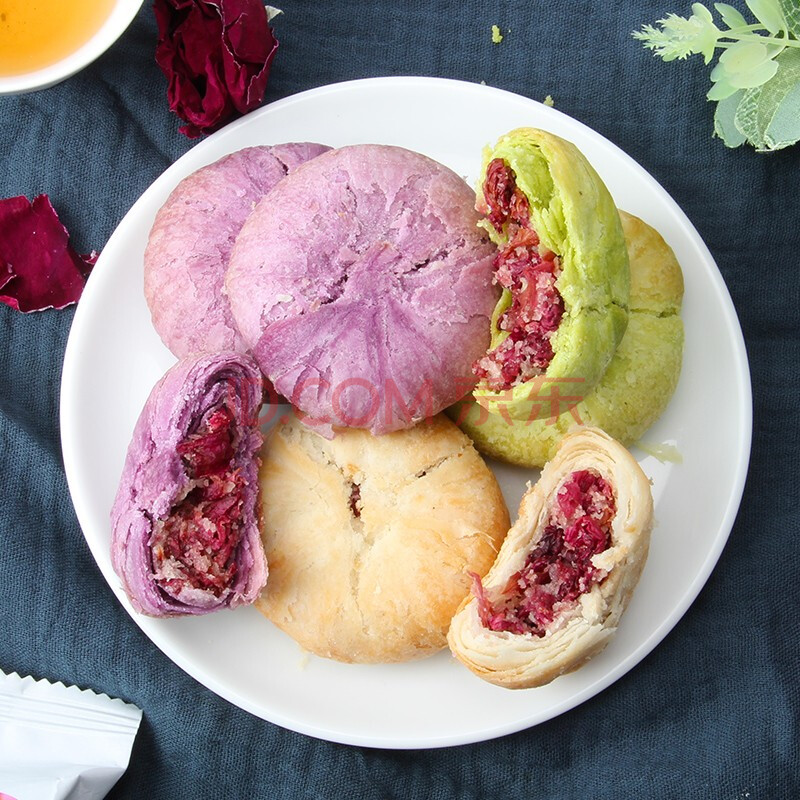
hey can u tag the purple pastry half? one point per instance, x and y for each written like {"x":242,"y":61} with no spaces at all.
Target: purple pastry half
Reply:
{"x":185,"y":523}
{"x":362,"y":285}
{"x":191,"y":240}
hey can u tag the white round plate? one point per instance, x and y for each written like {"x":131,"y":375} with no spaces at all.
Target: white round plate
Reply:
{"x":114,"y":357}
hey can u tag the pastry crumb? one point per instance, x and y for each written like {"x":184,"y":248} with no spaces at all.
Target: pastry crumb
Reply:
{"x":548,"y":101}
{"x":305,"y":657}
{"x":665,"y":452}
{"x":497,"y":37}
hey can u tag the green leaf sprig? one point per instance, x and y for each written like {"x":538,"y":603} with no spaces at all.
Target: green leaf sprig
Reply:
{"x":756,"y":81}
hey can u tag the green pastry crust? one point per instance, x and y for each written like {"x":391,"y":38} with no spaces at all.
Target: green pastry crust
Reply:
{"x":636,"y":387}
{"x":575,"y":217}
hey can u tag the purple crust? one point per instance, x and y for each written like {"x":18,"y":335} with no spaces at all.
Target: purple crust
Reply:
{"x":154,"y":478}
{"x":366,"y":264}
{"x":191,"y":240}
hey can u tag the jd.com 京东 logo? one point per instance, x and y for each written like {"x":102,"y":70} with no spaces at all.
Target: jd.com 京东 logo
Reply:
{"x":358,"y":403}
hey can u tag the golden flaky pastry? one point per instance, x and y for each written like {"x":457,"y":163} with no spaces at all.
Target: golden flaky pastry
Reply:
{"x":370,"y":539}
{"x":565,"y":572}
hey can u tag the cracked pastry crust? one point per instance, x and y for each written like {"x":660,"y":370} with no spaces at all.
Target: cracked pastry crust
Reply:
{"x":639,"y":382}
{"x":370,"y":539}
{"x":582,"y":627}
{"x":362,"y":285}
{"x":192,"y":238}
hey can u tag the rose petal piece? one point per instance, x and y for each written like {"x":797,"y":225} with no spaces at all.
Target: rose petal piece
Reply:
{"x":38,"y":267}
{"x":216,"y":57}
{"x":185,"y":528}
{"x":86,"y":261}
{"x":6,"y":273}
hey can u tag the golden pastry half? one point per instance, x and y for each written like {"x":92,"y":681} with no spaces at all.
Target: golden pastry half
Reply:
{"x":371,"y":539}
{"x":566,"y":570}
{"x":636,"y":387}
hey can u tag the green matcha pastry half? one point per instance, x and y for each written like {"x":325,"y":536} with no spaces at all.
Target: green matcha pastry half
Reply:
{"x":563,"y":268}
{"x":636,"y":387}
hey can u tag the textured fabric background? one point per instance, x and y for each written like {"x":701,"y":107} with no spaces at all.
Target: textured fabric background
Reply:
{"x":713,"y":711}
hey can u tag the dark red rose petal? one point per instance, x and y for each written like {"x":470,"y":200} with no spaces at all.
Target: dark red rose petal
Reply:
{"x":249,"y":50}
{"x":86,"y":261}
{"x":6,"y":273}
{"x":38,"y":267}
{"x":216,"y":55}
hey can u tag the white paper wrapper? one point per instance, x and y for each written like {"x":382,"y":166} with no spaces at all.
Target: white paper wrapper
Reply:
{"x":59,"y":742}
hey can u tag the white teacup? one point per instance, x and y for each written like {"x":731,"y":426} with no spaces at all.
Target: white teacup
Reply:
{"x":121,"y":16}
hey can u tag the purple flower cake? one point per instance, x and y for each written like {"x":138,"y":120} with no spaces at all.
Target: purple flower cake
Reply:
{"x":191,"y":240}
{"x":185,"y":523}
{"x":363,"y":287}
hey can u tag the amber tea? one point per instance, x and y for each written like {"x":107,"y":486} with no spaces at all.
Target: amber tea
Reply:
{"x":37,"y":33}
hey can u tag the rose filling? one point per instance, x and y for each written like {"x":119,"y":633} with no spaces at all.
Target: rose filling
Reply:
{"x":355,"y":500}
{"x":529,"y":271}
{"x":559,"y":569}
{"x":194,"y":547}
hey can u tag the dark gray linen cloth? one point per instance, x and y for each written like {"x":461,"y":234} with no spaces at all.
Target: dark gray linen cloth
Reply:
{"x":713,"y":711}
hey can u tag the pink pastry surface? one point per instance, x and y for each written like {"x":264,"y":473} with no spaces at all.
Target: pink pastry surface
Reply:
{"x":363,"y":287}
{"x":185,"y":522}
{"x":191,"y":241}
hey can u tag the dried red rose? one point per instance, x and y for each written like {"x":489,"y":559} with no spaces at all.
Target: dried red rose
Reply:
{"x":38,"y":267}
{"x":216,"y":55}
